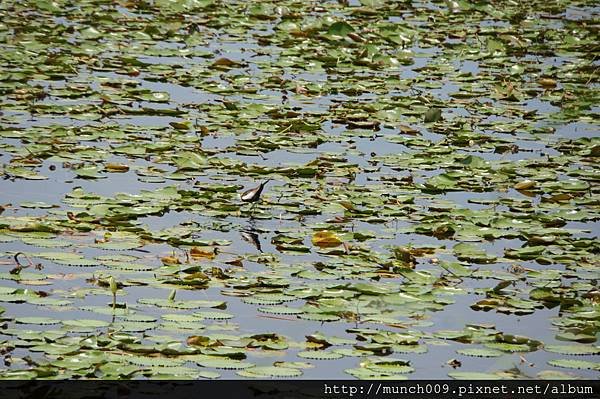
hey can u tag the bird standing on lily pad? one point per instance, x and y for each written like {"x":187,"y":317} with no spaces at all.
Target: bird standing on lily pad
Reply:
{"x":253,"y":195}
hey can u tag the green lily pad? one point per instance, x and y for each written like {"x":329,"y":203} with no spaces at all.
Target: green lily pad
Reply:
{"x":319,"y":355}
{"x":573,"y":349}
{"x":270,"y":372}
{"x":36,"y":320}
{"x":480,"y":352}
{"x":574,"y":364}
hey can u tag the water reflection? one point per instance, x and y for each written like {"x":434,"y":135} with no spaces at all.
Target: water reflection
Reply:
{"x":252,"y":238}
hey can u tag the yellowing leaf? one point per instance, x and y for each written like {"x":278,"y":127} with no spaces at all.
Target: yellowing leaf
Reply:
{"x":170,"y":260}
{"x":347,"y":204}
{"x":117,"y":167}
{"x":547,"y":82}
{"x":525,"y":184}
{"x":325,"y":239}
{"x":199,"y":340}
{"x":198,"y":253}
{"x":224,"y":62}
{"x":181,"y":125}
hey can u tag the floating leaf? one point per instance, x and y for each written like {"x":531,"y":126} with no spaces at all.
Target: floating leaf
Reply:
{"x":36,"y":320}
{"x":340,"y":28}
{"x":319,"y":355}
{"x":326,"y":239}
{"x":270,"y":371}
{"x":480,"y":352}
{"x":574,"y":364}
{"x":224,"y":363}
{"x":573,"y":349}
{"x":432,"y":115}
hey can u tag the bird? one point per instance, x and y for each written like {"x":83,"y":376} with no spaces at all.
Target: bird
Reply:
{"x":253,"y":195}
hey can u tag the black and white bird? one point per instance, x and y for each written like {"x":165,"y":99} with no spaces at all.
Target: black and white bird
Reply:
{"x":253,"y":195}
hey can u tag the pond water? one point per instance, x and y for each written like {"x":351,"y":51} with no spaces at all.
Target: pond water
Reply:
{"x":432,"y":209}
